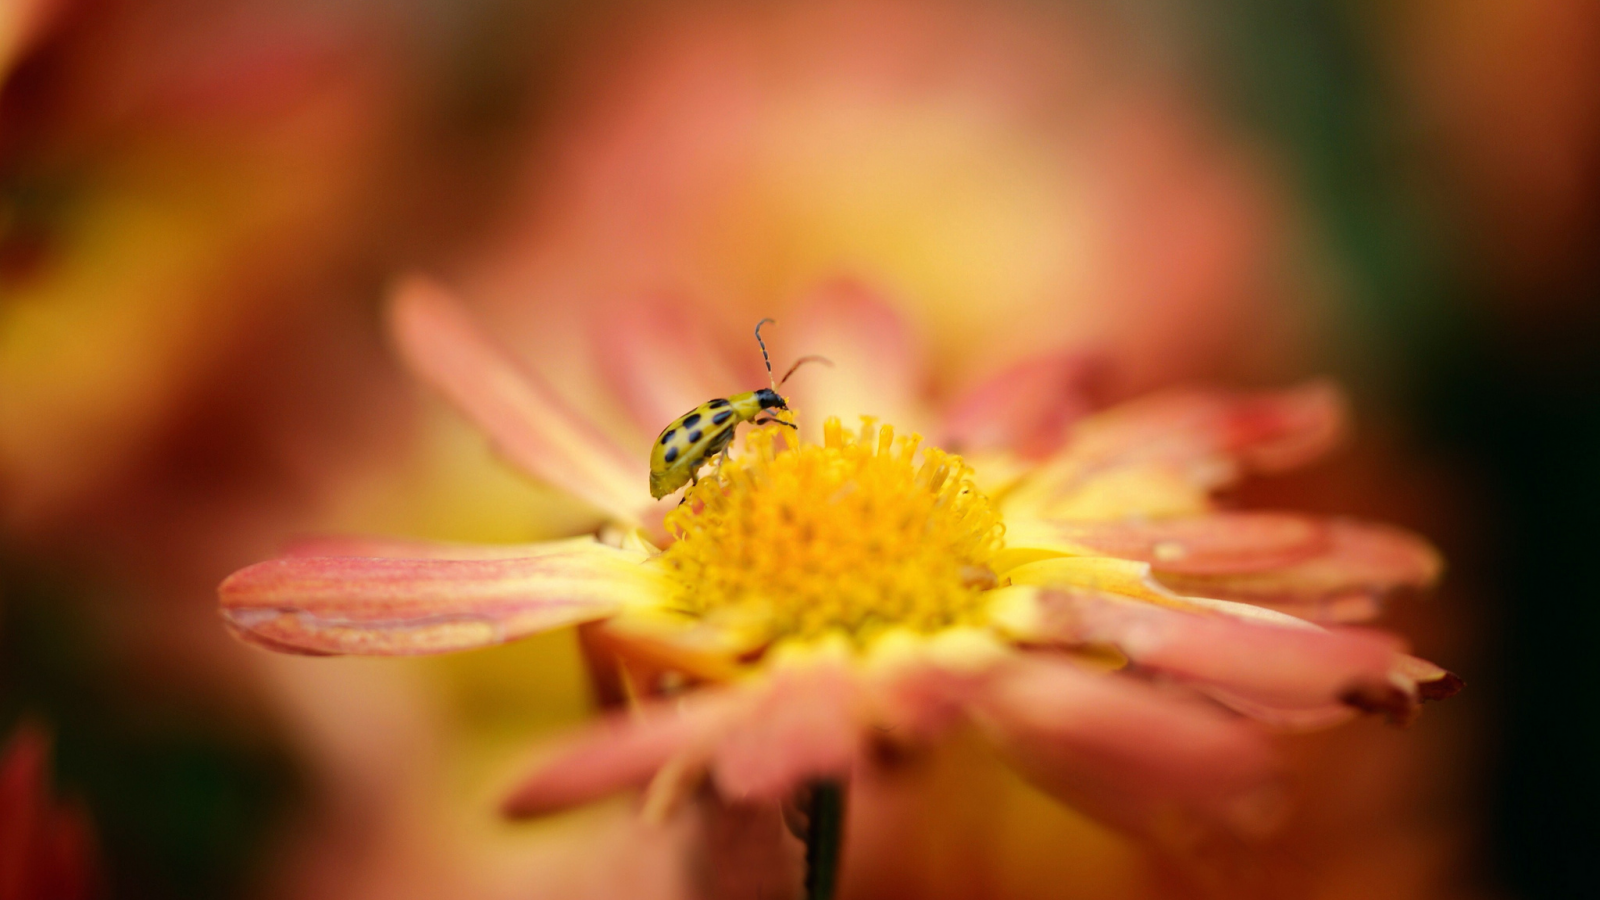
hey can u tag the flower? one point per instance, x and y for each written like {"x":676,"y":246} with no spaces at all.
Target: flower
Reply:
{"x":46,"y":849}
{"x":1088,"y":606}
{"x":1016,"y":176}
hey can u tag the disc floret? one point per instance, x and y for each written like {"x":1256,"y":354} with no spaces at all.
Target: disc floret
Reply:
{"x":860,"y":534}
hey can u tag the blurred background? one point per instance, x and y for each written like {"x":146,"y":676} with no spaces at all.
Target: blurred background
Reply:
{"x":202,"y":205}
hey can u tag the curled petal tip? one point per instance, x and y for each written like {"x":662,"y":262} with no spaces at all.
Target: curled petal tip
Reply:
{"x":1394,"y":703}
{"x":1399,"y":699}
{"x":1442,"y":688}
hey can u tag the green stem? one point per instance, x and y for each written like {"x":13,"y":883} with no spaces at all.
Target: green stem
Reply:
{"x":824,"y":839}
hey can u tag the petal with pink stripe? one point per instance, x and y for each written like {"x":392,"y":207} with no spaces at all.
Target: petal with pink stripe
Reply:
{"x":620,"y":752}
{"x":1361,"y":562}
{"x":403,"y":607}
{"x":1269,"y":663}
{"x":875,"y":360}
{"x":529,"y":423}
{"x":1166,"y":453}
{"x":1214,"y":544}
{"x":662,"y":362}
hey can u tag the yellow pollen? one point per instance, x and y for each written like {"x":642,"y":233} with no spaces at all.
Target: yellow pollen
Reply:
{"x":860,"y":534}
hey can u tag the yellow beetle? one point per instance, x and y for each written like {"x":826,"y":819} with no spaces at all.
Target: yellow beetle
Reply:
{"x":693,"y":438}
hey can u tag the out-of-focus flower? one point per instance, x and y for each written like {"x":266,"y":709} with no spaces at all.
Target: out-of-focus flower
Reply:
{"x":1508,"y":95}
{"x":1014,"y":176}
{"x":842,"y":599}
{"x":46,"y":847}
{"x":21,"y":22}
{"x":179,"y":186}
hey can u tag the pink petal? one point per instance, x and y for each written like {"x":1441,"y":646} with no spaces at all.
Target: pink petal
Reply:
{"x":762,"y":741}
{"x":1203,"y":545}
{"x":744,"y":852}
{"x":1268,"y":431}
{"x":1432,"y":681}
{"x":1272,"y":664}
{"x":1412,"y":681}
{"x":1274,"y":431}
{"x":1343,"y":609}
{"x":662,"y":362}
{"x":875,"y":362}
{"x":1123,"y":751}
{"x":1196,"y":439}
{"x":1026,"y":408}
{"x":529,"y":423}
{"x":1284,"y":718}
{"x":621,"y":752}
{"x":400,"y":607}
{"x":800,"y":726}
{"x":923,"y":702}
{"x":1360,"y":561}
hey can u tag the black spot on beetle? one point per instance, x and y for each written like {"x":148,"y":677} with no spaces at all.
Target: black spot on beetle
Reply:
{"x":717,"y":403}
{"x":694,"y":436}
{"x":690,"y":421}
{"x":721,"y":417}
{"x":668,"y":436}
{"x":672,"y":454}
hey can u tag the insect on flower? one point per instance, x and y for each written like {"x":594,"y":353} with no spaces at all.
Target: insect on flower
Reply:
{"x":828,"y":601}
{"x":693,"y":438}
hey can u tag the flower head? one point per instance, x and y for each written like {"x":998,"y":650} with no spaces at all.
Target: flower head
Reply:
{"x":1085,"y":604}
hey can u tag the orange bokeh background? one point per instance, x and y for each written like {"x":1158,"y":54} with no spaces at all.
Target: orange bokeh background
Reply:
{"x":203,"y":204}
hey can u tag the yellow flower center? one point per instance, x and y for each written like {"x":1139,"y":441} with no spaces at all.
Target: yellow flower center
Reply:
{"x":860,"y":534}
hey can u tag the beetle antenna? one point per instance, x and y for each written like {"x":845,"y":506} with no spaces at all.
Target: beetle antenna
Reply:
{"x":765,"y":359}
{"x":802,"y":361}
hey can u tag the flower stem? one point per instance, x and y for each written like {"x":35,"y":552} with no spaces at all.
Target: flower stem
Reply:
{"x":824,"y":839}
